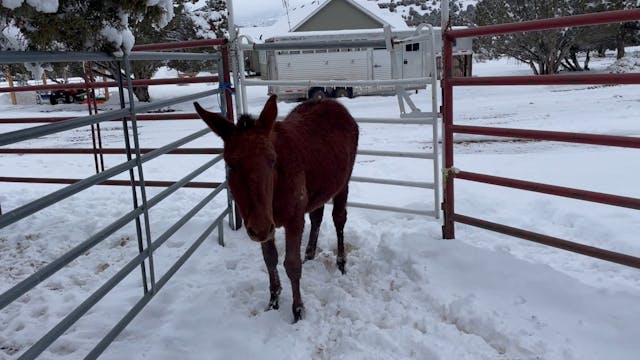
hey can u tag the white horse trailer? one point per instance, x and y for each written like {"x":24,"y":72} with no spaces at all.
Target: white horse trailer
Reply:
{"x":350,"y":63}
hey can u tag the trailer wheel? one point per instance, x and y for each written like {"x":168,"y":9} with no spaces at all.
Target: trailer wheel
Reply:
{"x":341,"y":92}
{"x":317,"y":94}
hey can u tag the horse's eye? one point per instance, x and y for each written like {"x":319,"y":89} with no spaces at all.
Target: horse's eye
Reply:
{"x":230,"y":167}
{"x":272,"y":163}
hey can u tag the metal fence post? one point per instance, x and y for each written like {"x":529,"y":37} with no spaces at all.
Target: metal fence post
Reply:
{"x":143,"y":193}
{"x":448,"y":231}
{"x":132,"y":177}
{"x":92,"y":105}
{"x":220,"y":234}
{"x":222,"y":96}
{"x":235,"y":221}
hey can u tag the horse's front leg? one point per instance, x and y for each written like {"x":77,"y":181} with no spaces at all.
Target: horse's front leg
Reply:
{"x":293,"y":263}
{"x":270,"y":255}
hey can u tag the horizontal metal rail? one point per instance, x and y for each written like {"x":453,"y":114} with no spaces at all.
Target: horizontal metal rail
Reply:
{"x":578,"y":138}
{"x":574,"y":79}
{"x":393,"y":121}
{"x":48,"y":129}
{"x":41,"y":203}
{"x":595,"y":252}
{"x":180,"y":45}
{"x":418,"y":184}
{"x":140,"y":117}
{"x":107,"y":151}
{"x":391,"y":209}
{"x":148,"y":183}
{"x":423,"y":119}
{"x":163,"y":56}
{"x":45,"y":272}
{"x":399,"y":154}
{"x":343,"y":83}
{"x":320,"y":44}
{"x":135,"y":310}
{"x":548,"y":24}
{"x":591,"y":196}
{"x":43,"y":130}
{"x":79,"y":311}
{"x":103,"y":84}
{"x":15,"y":57}
{"x":141,"y":108}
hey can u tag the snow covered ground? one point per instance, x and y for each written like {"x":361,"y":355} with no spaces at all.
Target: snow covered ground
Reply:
{"x":407,"y":294}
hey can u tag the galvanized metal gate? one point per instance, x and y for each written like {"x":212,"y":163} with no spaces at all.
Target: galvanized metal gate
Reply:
{"x":452,"y":173}
{"x":414,"y":117}
{"x":136,"y":157}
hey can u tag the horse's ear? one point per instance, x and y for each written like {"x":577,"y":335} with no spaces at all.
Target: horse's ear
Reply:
{"x":269,"y":113}
{"x":218,"y":124}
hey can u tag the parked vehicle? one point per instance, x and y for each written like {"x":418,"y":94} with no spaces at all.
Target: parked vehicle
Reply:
{"x":68,"y":96}
{"x":352,"y":63}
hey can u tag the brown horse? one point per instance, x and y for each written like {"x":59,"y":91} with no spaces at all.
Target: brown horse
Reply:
{"x":278,"y":171}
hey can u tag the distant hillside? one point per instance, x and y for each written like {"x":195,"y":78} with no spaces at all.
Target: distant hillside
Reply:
{"x":428,"y":11}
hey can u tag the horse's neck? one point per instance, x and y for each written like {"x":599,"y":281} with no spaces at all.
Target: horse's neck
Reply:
{"x":286,"y":143}
{"x":289,"y":179}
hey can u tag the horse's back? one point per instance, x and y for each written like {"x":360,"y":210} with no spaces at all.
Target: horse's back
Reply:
{"x":322,"y":124}
{"x":327,"y":139}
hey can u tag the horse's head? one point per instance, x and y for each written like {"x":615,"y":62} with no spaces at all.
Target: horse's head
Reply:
{"x":251,"y":160}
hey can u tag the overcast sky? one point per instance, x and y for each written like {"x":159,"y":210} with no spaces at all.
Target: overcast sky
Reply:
{"x":252,"y":11}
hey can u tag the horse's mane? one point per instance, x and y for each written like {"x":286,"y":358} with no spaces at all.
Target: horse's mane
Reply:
{"x":245,"y":122}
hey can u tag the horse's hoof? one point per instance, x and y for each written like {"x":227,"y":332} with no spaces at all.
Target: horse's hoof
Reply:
{"x":341,"y":264}
{"x":273,"y":305}
{"x":298,"y":313}
{"x":273,"y":300}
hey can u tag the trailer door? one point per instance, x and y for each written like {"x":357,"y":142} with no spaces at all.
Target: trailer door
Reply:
{"x":413,"y":60}
{"x":381,"y":61}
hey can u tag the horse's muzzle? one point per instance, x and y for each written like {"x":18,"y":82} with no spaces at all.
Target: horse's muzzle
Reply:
{"x":262,"y":237}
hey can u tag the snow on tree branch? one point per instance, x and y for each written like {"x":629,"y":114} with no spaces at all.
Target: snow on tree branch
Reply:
{"x":45,"y":6}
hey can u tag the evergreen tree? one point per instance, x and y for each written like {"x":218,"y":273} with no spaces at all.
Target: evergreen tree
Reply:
{"x":625,"y":33}
{"x":86,"y":24}
{"x":112,"y":26}
{"x":543,"y":51}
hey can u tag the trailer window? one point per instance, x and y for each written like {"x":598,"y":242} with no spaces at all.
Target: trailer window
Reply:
{"x":321,"y":51}
{"x":412,"y":47}
{"x":294,"y":52}
{"x":307,"y":51}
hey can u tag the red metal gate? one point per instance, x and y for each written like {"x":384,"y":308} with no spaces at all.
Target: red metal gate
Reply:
{"x":451,"y":173}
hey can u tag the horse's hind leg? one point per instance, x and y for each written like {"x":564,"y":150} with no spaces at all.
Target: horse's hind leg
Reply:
{"x":339,"y":219}
{"x":316,"y":220}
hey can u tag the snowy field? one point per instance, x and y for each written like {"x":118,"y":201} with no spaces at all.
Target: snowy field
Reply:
{"x":407,"y":293}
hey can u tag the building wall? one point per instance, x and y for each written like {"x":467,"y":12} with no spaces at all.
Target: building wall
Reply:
{"x":339,"y":15}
